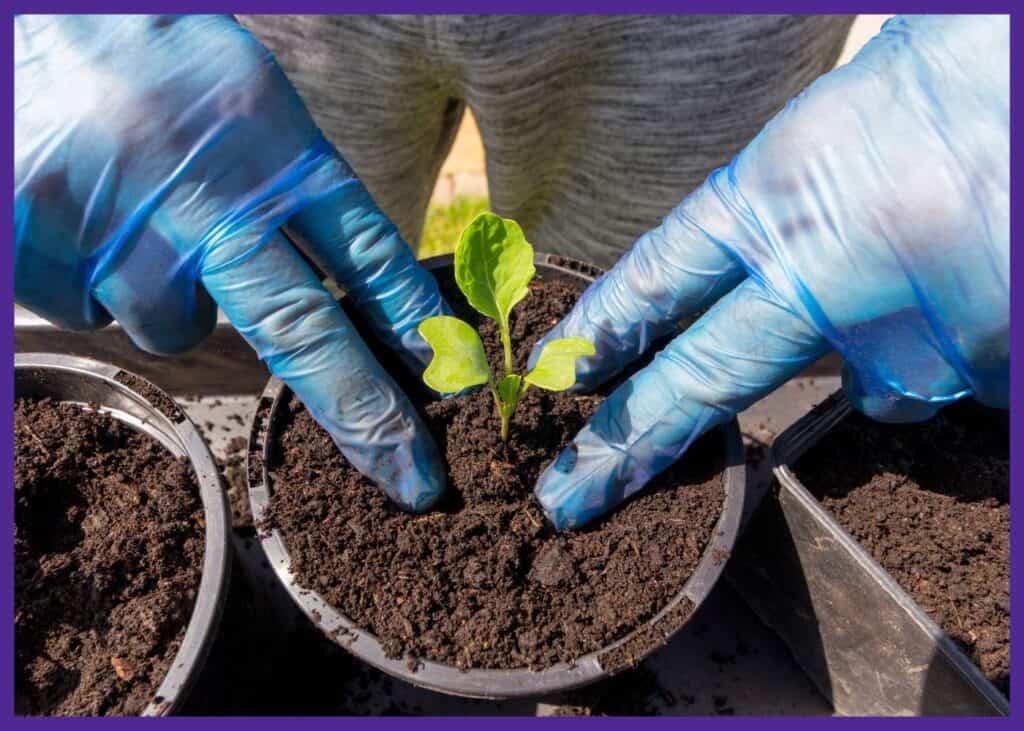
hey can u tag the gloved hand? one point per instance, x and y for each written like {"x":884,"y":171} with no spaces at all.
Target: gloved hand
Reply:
{"x":871,"y":216}
{"x":155,"y":160}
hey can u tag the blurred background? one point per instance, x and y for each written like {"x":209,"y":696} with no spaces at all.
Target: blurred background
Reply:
{"x":461,"y":189}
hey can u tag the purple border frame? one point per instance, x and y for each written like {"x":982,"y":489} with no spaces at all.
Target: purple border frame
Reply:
{"x":517,"y":6}
{"x":709,"y":7}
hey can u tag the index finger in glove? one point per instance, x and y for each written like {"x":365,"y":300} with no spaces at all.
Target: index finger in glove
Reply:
{"x":276,"y":302}
{"x":351,"y":239}
{"x":740,"y":350}
{"x":672,"y":271}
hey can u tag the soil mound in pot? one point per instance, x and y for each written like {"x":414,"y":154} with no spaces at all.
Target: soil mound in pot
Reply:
{"x":483,"y":581}
{"x":931,"y":503}
{"x":108,"y":557}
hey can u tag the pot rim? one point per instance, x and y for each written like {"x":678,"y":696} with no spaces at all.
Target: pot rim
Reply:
{"x":492,"y":683}
{"x":177,"y":434}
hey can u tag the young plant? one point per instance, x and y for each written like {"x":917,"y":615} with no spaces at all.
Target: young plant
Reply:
{"x":493,"y":268}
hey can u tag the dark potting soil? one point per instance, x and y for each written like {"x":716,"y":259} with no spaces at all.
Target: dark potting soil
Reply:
{"x":483,"y":581}
{"x":108,"y":556}
{"x":931,"y":503}
{"x":157,"y":398}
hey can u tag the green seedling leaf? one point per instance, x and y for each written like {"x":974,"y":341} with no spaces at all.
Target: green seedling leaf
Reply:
{"x":459,"y":360}
{"x":494,"y":266}
{"x":556,"y":366}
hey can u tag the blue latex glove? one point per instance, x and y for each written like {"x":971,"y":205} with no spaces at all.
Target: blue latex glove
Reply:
{"x":870,"y":216}
{"x":155,"y":160}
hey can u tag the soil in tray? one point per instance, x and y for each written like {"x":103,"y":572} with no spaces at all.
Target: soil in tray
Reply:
{"x":108,"y":556}
{"x":482,"y":581}
{"x":930,"y":503}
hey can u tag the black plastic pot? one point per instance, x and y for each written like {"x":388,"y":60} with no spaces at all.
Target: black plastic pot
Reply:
{"x":142,"y":406}
{"x":493,"y":684}
{"x":866,"y":644}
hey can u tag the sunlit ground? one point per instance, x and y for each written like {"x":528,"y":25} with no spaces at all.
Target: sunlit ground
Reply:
{"x":445,"y":223}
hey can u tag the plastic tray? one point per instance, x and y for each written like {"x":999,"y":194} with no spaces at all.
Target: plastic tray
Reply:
{"x":863,"y":641}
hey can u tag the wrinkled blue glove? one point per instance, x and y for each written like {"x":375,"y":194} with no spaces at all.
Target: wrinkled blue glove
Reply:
{"x":870,"y":216}
{"x":155,"y":160}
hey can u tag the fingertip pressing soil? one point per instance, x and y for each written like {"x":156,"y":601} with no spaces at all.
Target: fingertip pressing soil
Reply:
{"x":108,"y":556}
{"x":930,"y":503}
{"x":482,"y":581}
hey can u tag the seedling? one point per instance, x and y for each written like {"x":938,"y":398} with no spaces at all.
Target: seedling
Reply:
{"x":493,"y":268}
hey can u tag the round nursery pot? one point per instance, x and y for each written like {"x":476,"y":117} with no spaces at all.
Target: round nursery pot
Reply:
{"x":625,"y":652}
{"x":137,"y":403}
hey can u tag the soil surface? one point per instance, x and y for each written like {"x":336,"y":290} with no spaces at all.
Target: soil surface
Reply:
{"x":930,"y":503}
{"x":482,"y":581}
{"x":109,"y":549}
